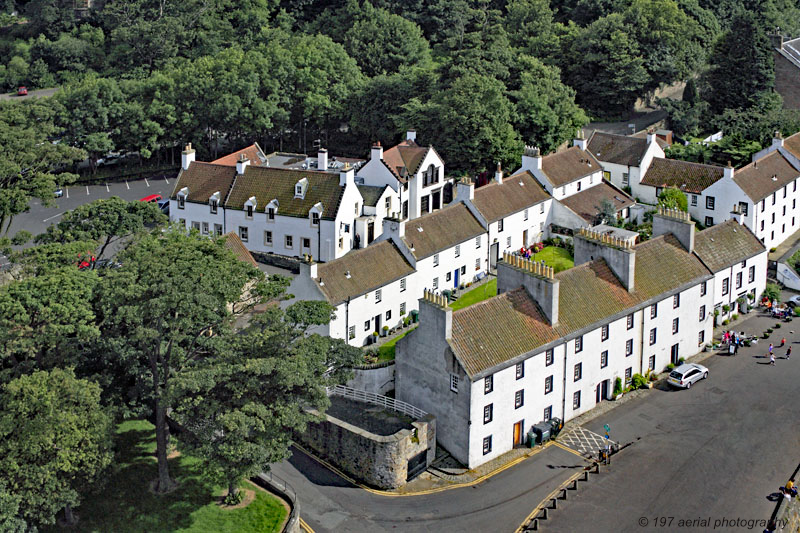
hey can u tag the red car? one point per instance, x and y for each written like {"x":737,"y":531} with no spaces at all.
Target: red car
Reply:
{"x":22,"y":91}
{"x":153,"y":198}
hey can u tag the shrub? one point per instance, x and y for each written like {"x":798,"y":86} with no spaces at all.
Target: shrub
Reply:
{"x":682,"y":360}
{"x":617,"y":386}
{"x":751,"y":296}
{"x":769,"y":330}
{"x":766,"y":335}
{"x":772,"y":250}
{"x":726,"y":308}
{"x":653,"y":377}
{"x":726,"y":322}
{"x":747,"y":342}
{"x":734,"y":317}
{"x":670,"y":367}
{"x":797,"y":311}
{"x":777,"y":326}
{"x":638,"y":381}
{"x":772,"y":292}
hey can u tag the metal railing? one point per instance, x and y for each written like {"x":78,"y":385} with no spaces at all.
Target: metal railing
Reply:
{"x":377,"y":399}
{"x":287,"y":491}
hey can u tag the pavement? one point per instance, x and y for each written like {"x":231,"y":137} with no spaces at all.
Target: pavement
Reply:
{"x":40,"y":93}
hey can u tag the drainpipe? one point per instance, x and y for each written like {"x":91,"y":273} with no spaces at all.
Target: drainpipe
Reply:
{"x":564,"y":388}
{"x":347,"y":319}
{"x":641,"y":345}
{"x":319,"y":237}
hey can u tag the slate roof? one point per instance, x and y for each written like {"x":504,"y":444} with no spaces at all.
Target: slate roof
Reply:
{"x":619,"y":149}
{"x":520,"y":191}
{"x":267,"y":183}
{"x":726,"y":244}
{"x":493,"y":332}
{"x":404,"y":159}
{"x":570,"y":165}
{"x":203,"y":180}
{"x":792,"y":144}
{"x":586,"y":203}
{"x":370,"y":268}
{"x":235,"y":245}
{"x":253,"y":153}
{"x":371,"y":194}
{"x":686,"y":176}
{"x":441,"y":230}
{"x":761,"y":178}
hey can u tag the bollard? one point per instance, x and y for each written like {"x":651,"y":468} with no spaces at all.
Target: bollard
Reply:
{"x":544,"y":514}
{"x":555,"y":503}
{"x":597,"y":468}
{"x":534,"y":525}
{"x":574,"y":485}
{"x":564,"y":496}
{"x":585,"y":476}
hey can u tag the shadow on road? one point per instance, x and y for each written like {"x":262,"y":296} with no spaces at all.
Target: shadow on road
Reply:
{"x":315,"y":472}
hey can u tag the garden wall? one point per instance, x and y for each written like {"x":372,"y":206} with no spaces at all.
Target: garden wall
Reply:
{"x":377,"y":378}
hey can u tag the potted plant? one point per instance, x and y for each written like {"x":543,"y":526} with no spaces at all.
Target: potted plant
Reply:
{"x":726,"y":308}
{"x":384,"y":331}
{"x":374,"y":336}
{"x":617,"y":388}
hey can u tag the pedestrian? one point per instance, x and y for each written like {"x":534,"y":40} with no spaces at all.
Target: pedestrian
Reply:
{"x":783,"y":342}
{"x":770,"y":348}
{"x":788,"y":352}
{"x":772,"y":359}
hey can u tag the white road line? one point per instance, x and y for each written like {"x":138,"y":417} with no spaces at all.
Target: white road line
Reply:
{"x":52,"y":217}
{"x":87,"y":190}
{"x":126,"y":184}
{"x":66,"y":190}
{"x":165,"y":179}
{"x":107,"y":189}
{"x":146,"y":182}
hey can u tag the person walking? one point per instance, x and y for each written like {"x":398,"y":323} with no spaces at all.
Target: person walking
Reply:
{"x":772,"y":359}
{"x":783,"y":342}
{"x":788,"y":352}
{"x":770,"y":349}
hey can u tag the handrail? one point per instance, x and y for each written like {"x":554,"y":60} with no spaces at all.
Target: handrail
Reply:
{"x":287,"y":491}
{"x":376,"y":399}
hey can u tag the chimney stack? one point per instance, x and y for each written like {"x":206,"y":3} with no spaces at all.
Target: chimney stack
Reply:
{"x":377,"y":151}
{"x":435,"y":314}
{"x":651,"y":136}
{"x":465,"y":189}
{"x":498,"y":174}
{"x":242,"y":164}
{"x":347,"y":176}
{"x":619,"y":254}
{"x":187,"y":157}
{"x":322,"y":159}
{"x":411,"y":135}
{"x":580,"y":141}
{"x":393,"y":226}
{"x":777,"y":140}
{"x":677,"y":222}
{"x":727,"y":172}
{"x":515,"y":271}
{"x":531,"y":158}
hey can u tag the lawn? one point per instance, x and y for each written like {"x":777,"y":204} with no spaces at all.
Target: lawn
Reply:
{"x":556,"y":257}
{"x":386,"y":351}
{"x":487,"y":290}
{"x":124,"y":504}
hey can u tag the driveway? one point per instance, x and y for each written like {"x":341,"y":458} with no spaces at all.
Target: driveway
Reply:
{"x":40,"y":93}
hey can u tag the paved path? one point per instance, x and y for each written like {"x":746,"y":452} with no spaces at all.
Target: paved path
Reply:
{"x":40,"y":93}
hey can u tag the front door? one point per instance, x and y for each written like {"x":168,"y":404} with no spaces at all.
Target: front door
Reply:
{"x":378,"y":323}
{"x":673,"y":356}
{"x":455,"y":278}
{"x":437,"y":200}
{"x":370,"y":232}
{"x":518,"y":433}
{"x":525,"y":238}
{"x":493,"y":254}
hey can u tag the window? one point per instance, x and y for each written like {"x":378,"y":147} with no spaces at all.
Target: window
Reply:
{"x":579,"y":186}
{"x":436,"y":260}
{"x":453,"y":383}
{"x":738,"y":280}
{"x":548,"y":384}
{"x":548,"y":357}
{"x":628,"y":373}
{"x":541,"y":208}
{"x":403,"y":285}
{"x":743,"y":208}
{"x":651,"y":362}
{"x":351,"y":332}
{"x":435,"y":283}
{"x":701,"y":337}
{"x":519,"y":399}
{"x":563,"y":191}
{"x":181,"y":201}
{"x":182,"y":221}
{"x":378,"y":296}
{"x":196,"y":225}
{"x":243,"y":233}
{"x":248,"y":211}
{"x":402,"y":308}
{"x":604,"y":333}
{"x":744,"y":263}
{"x":288,"y":241}
{"x":214,"y":205}
{"x":710,"y":203}
{"x":314,"y":218}
{"x":702,"y":312}
{"x":463,"y":269}
{"x":578,"y":372}
{"x":675,"y":322}
{"x":676,"y":301}
{"x":773,"y":198}
{"x":751,"y":274}
{"x":366,"y":325}
{"x":388,"y":204}
{"x":217,"y":229}
{"x":709,"y":222}
{"x":478,"y":241}
{"x":703,"y":289}
{"x":267,"y":238}
{"x":628,"y":347}
{"x":773,"y":218}
{"x":579,"y":344}
{"x":525,"y":215}
{"x":576,"y":398}
{"x":389,"y":314}
{"x":624,"y":179}
{"x":548,"y":413}
{"x":763,"y":203}
{"x":341,"y":242}
{"x":356,"y":210}
{"x":205,"y":228}
{"x":653,"y":310}
{"x":762,"y":225}
{"x":694,"y":200}
{"x":488,"y":384}
{"x":508,"y":242}
{"x":458,"y":250}
{"x":630,"y":321}
{"x":487,"y":444}
{"x":784,"y":191}
{"x":500,"y":225}
{"x":652,"y":336}
{"x":520,"y":370}
{"x":487,"y":413}
{"x":784,"y":211}
{"x":604,"y":359}
{"x":306,"y":242}
{"x":478,"y":264}
{"x":726,"y":286}
{"x":271,"y":213}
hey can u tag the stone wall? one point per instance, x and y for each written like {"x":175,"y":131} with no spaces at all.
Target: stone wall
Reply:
{"x":786,"y":75}
{"x":379,"y":461}
{"x":378,"y":379}
{"x":790,"y":515}
{"x":280,"y":261}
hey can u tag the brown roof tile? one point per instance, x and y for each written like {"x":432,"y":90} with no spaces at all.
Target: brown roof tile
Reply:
{"x":253,"y":153}
{"x":203,"y":180}
{"x":499,"y":329}
{"x":267,"y":183}
{"x":235,"y":245}
{"x":792,"y":144}
{"x":441,"y":230}
{"x":570,"y":165}
{"x":726,"y":244}
{"x":520,"y":191}
{"x":370,"y":268}
{"x":686,"y":176}
{"x":586,"y":203}
{"x":619,"y":149}
{"x":761,"y":178}
{"x":404,"y":159}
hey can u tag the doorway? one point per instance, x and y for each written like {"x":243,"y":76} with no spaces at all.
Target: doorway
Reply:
{"x":493,"y":255}
{"x":370,"y":231}
{"x":673,"y":355}
{"x":377,"y":323}
{"x":455,"y":278}
{"x":518,"y":433}
{"x":602,"y":391}
{"x":437,"y":200}
{"x":525,"y":238}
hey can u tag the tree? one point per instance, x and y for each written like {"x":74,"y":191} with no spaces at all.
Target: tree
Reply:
{"x":106,"y":221}
{"x":28,"y":160}
{"x":673,"y":198}
{"x":607,"y":212}
{"x":532,"y":29}
{"x":55,"y":441}
{"x":44,"y":258}
{"x":240,"y":408}
{"x":165,"y":310}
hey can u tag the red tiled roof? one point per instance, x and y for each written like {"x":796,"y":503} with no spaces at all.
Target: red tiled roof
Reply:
{"x":792,"y":144}
{"x":404,"y":159}
{"x":235,"y":245}
{"x":253,"y":153}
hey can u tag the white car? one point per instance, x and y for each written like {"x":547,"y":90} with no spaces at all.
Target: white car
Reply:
{"x":686,"y":374}
{"x":793,"y":302}
{"x":58,"y":193}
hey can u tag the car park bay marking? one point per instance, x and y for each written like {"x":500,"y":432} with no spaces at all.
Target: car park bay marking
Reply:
{"x":67,"y":192}
{"x":52,"y":217}
{"x":87,"y":190}
{"x":146,"y":182}
{"x":126,"y":184}
{"x":107,"y":189}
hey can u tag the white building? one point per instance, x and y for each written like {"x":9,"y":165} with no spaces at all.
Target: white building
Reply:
{"x":625,"y":159}
{"x":553,"y":345}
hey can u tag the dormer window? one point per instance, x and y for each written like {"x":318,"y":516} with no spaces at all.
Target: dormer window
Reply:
{"x":271,"y":213}
{"x":315,"y":218}
{"x":213,"y":206}
{"x":249,"y":210}
{"x":300,"y":188}
{"x":315,"y":213}
{"x":213,"y":203}
{"x":182,"y":194}
{"x":250,"y":207}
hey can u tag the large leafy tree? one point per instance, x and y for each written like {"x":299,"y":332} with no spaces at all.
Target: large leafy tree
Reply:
{"x":55,"y":441}
{"x":164,"y":311}
{"x":239,"y":409}
{"x":106,"y":221}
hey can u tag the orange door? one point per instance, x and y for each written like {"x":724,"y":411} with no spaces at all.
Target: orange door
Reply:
{"x":518,"y":433}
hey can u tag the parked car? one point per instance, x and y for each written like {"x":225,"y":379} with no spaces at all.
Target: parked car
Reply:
{"x":686,"y":374}
{"x":22,"y":91}
{"x":58,"y":193}
{"x":164,"y":206}
{"x":152,"y":199}
{"x":793,"y":302}
{"x":107,"y":263}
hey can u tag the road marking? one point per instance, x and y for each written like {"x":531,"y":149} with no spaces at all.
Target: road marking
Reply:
{"x":52,"y":217}
{"x":66,"y":190}
{"x":584,"y":441}
{"x":305,"y":527}
{"x":87,"y":190}
{"x":107,"y":189}
{"x":126,"y":184}
{"x":146,"y":182}
{"x":544,"y":502}
{"x":165,"y":179}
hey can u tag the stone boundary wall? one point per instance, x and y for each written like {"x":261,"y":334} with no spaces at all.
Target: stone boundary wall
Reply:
{"x":280,"y":261}
{"x":379,"y":379}
{"x":379,"y":461}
